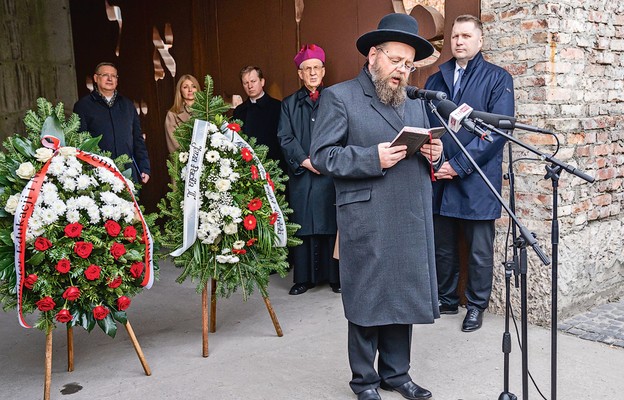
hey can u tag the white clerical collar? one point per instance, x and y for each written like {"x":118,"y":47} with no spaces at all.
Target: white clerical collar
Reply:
{"x":257,"y":98}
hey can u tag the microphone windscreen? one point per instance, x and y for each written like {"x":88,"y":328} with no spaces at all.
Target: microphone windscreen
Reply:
{"x":446,"y":107}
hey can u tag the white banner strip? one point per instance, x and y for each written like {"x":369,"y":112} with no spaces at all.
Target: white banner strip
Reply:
{"x":192,"y":187}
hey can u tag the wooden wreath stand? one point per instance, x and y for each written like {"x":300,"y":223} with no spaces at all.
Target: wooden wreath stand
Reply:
{"x":70,"y":356}
{"x":213,"y":314}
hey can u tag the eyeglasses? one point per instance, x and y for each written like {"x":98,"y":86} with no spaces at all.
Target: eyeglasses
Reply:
{"x":397,"y":63}
{"x":109,"y":76}
{"x":316,"y":69}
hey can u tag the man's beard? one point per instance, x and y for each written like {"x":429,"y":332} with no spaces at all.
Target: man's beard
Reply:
{"x":387,"y":94}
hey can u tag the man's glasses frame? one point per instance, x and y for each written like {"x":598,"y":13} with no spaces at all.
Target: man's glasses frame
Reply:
{"x":408,"y":66}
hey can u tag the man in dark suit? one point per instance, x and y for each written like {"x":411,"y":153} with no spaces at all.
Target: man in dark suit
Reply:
{"x":105,"y":112}
{"x":384,"y":213}
{"x":260,"y":113}
{"x":463,"y":205}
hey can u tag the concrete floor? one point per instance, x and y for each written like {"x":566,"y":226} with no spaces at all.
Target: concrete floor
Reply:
{"x":248,"y":361}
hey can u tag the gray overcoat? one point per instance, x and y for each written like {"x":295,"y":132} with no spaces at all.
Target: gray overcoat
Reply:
{"x":387,"y":257}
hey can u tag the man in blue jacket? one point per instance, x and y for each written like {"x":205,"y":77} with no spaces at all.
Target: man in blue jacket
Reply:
{"x":462,"y":203}
{"x":105,"y":112}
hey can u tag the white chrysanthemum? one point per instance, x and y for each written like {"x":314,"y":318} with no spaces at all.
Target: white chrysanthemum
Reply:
{"x":85,"y":202}
{"x":69,"y":185}
{"x":68,"y":151}
{"x":225,"y":251}
{"x":212,"y":156}
{"x":94,"y":215}
{"x":239,"y":244}
{"x":130,"y":184}
{"x":72,"y":216}
{"x":111,"y":212}
{"x":231,"y":211}
{"x":48,"y":216}
{"x":225,"y":171}
{"x":83,"y":182}
{"x":212,"y":128}
{"x":234,"y":176}
{"x":183,"y":173}
{"x":212,"y":196}
{"x":74,"y":163}
{"x":230,"y":229}
{"x":57,"y":166}
{"x":222,"y":185}
{"x":183,"y":156}
{"x":58,"y":206}
{"x":26,"y":170}
{"x":117,"y":186}
{"x":43,"y":154}
{"x":11,"y":204}
{"x":222,"y":259}
{"x":233,"y":259}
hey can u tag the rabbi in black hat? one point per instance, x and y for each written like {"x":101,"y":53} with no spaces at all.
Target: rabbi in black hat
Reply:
{"x":383,"y":203}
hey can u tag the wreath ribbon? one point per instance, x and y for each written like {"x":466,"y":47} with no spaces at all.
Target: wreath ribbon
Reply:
{"x":26,"y":206}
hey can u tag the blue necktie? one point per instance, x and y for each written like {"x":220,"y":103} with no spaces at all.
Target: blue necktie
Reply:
{"x":457,"y":84}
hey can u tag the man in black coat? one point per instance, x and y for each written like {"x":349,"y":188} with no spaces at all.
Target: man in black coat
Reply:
{"x":312,"y":195}
{"x":107,"y":113}
{"x":260,"y":113}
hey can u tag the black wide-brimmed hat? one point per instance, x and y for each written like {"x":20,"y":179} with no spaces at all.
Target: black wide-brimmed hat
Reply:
{"x":396,"y":28}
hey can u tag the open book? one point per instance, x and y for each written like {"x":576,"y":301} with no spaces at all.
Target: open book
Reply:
{"x":414,"y":137}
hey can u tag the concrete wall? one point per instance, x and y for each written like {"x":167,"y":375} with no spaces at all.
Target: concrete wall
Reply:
{"x":36,"y":59}
{"x":567,"y":59}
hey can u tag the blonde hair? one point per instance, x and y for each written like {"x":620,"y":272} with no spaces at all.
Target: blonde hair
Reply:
{"x":178,"y":101}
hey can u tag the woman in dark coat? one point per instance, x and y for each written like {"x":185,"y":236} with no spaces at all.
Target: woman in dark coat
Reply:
{"x":312,"y":195}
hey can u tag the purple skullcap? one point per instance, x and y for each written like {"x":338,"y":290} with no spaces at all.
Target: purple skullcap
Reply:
{"x":309,"y":51}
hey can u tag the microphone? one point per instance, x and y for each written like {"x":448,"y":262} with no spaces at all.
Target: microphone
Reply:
{"x":505,"y":122}
{"x":447,"y":109}
{"x":414,"y":93}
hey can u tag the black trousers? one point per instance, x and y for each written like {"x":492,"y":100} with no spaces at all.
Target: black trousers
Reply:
{"x":313,"y":260}
{"x":479,"y":236}
{"x":392,"y":342}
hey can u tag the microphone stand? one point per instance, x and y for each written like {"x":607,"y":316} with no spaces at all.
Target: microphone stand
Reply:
{"x":552,"y":173}
{"x":527,"y":238}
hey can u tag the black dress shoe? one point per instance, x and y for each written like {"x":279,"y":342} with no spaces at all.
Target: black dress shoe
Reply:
{"x":448,"y":309}
{"x":369,"y":394}
{"x":298,"y":288}
{"x":409,"y":390}
{"x":473,"y":320}
{"x":336,"y":287}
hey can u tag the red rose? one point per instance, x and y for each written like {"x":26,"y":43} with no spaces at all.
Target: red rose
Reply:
{"x":136,"y":269}
{"x":73,"y":230}
{"x":63,"y":316}
{"x":249,"y":222}
{"x":272,"y":218}
{"x":72,"y":293}
{"x":254,"y":172}
{"x":251,"y":242}
{"x":83,"y":249}
{"x":92,"y":272}
{"x":42,"y":244}
{"x":254,"y":205}
{"x":115,"y":282}
{"x":239,"y":251}
{"x":234,"y":126}
{"x":100,"y":312}
{"x":246,"y":154}
{"x":46,"y":304}
{"x":63,"y":266}
{"x":117,"y":250}
{"x":30,"y":280}
{"x":130,"y":233}
{"x":112,"y":228}
{"x":123,"y":303}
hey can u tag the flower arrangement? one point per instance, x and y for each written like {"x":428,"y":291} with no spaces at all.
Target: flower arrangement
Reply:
{"x":238,"y":199}
{"x":73,"y":242}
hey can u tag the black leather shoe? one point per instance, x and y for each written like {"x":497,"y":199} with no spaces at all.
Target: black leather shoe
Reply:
{"x":336,"y":288}
{"x":447,"y":309}
{"x":409,"y":390}
{"x":369,"y":394}
{"x":298,"y":288}
{"x":473,"y":320}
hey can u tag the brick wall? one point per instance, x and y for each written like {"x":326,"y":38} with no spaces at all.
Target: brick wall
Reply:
{"x":567,"y":62}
